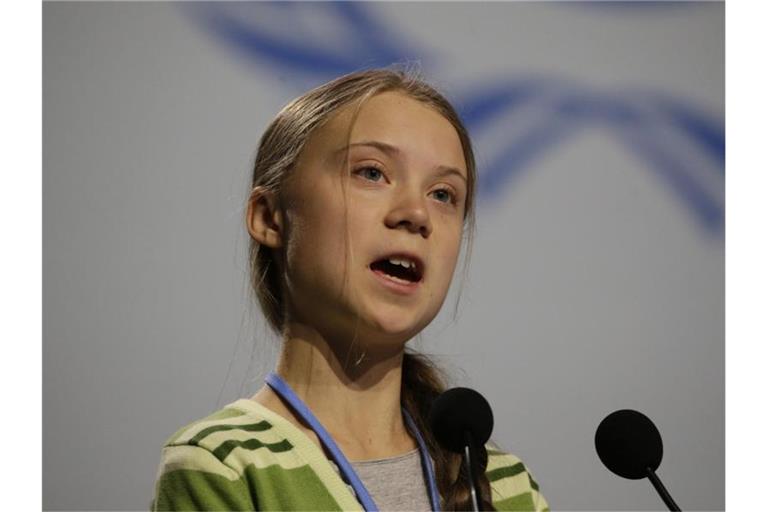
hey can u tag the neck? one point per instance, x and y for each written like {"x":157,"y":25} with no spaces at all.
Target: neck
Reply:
{"x":357,"y":403}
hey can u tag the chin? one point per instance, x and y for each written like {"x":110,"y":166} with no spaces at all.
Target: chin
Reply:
{"x":397,"y":322}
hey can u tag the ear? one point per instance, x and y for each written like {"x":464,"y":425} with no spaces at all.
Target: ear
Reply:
{"x":264,"y":219}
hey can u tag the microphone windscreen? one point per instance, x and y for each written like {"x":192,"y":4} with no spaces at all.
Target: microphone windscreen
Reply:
{"x":457,"y":411}
{"x":628,"y":443}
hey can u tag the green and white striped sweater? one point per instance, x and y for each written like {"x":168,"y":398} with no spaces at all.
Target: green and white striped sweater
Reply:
{"x":247,"y":457}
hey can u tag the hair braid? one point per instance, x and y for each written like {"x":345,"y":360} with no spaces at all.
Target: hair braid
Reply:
{"x":422,"y":383}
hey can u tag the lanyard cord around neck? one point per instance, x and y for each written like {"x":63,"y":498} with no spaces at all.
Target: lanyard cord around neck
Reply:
{"x":282,"y":388}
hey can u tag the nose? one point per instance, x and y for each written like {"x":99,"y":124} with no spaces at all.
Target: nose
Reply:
{"x":410,"y":212}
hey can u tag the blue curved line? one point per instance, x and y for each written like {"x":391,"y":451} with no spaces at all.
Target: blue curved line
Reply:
{"x":591,"y":107}
{"x":378,"y":38}
{"x":369,"y":49}
{"x":707,"y":209}
{"x":645,"y":141}
{"x":487,"y":105}
{"x":280,"y":53}
{"x":635,"y":131}
{"x":570,"y":112}
{"x":708,"y":133}
{"x":517,"y":156}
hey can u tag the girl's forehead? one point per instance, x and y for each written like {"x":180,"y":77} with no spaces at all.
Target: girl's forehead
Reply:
{"x":390,"y":117}
{"x":387,"y":109}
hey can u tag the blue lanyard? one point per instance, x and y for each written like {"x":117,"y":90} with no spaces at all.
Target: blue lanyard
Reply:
{"x":282,"y":388}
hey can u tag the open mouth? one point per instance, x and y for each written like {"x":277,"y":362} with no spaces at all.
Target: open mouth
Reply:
{"x":400,"y":268}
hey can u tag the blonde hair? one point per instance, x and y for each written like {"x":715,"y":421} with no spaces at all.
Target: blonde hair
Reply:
{"x":279,"y":149}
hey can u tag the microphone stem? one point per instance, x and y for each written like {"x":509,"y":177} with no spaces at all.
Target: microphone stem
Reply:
{"x":668,"y":501}
{"x":470,"y":472}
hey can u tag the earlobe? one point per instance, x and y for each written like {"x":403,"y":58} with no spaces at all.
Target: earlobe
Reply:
{"x":263,"y":218}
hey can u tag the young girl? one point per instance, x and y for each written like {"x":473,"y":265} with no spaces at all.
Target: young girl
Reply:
{"x":361,"y":192}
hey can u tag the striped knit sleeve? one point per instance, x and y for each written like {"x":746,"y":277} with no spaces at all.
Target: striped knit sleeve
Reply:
{"x":192,"y":478}
{"x":540,"y":504}
{"x":512,"y":485}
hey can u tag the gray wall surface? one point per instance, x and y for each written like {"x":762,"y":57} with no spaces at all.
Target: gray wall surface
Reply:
{"x":596,"y":280}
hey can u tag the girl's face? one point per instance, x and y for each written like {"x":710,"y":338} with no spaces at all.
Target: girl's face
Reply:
{"x":405,"y":194}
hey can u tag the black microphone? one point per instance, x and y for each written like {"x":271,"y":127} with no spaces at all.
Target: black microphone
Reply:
{"x":461,"y":421}
{"x":629,"y":444}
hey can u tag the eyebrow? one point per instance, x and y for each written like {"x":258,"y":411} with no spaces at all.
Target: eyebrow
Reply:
{"x":443,"y":170}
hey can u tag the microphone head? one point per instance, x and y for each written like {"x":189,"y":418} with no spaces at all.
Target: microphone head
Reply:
{"x":457,"y":411}
{"x":628,"y":443}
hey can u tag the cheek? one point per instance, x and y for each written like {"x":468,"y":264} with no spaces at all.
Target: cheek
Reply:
{"x":450,"y":258}
{"x":315,"y":246}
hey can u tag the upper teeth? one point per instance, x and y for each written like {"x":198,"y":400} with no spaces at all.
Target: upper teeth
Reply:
{"x":404,"y":263}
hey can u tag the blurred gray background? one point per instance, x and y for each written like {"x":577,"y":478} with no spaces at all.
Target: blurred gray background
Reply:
{"x":596,"y":280}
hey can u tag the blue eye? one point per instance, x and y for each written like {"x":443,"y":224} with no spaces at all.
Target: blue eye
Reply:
{"x":370,"y":173}
{"x":448,"y":196}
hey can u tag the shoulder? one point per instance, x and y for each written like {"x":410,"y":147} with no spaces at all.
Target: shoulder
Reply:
{"x":197,"y":471}
{"x":246,"y":457}
{"x":512,"y":484}
{"x":224,"y":437}
{"x":190,"y":433}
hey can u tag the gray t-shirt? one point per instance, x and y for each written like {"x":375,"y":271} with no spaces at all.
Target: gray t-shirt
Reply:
{"x":396,"y":483}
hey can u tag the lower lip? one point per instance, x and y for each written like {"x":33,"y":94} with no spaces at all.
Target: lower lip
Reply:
{"x":396,"y":286}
